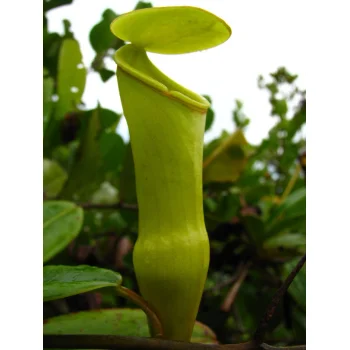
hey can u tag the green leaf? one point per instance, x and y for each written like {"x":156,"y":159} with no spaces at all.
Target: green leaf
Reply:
{"x":209,"y":119}
{"x":101,"y":38}
{"x":210,"y":204}
{"x":286,"y":241}
{"x":105,"y":74}
{"x":272,"y":87}
{"x":122,"y":322}
{"x":98,"y":153}
{"x":283,"y":76}
{"x":255,"y":227}
{"x":207,"y":97}
{"x":226,"y":160}
{"x":279,"y":107}
{"x":298,"y":120}
{"x":62,"y":223}
{"x":67,"y":29}
{"x":298,"y":287}
{"x":288,"y":225}
{"x":86,"y":174}
{"x":210,"y":115}
{"x":171,"y":30}
{"x":52,"y":137}
{"x":228,"y":206}
{"x":48,"y":88}
{"x":71,"y":78}
{"x":112,"y":149}
{"x":52,"y":44}
{"x":294,"y":206}
{"x":290,"y":154}
{"x":239,"y":118}
{"x":54,"y":178}
{"x":253,"y":193}
{"x":64,"y":281}
{"x":108,"y":119}
{"x":51,"y":4}
{"x":142,"y":5}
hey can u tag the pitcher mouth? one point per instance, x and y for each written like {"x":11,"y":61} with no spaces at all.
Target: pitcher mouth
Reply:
{"x":135,"y":62}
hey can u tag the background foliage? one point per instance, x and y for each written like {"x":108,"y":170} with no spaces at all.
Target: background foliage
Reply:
{"x":254,"y":202}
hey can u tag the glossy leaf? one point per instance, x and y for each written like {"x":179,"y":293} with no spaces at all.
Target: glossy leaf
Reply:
{"x":54,"y":178}
{"x":227,"y":159}
{"x":171,"y":30}
{"x":62,"y":223}
{"x":63,"y":281}
{"x":71,"y":77}
{"x":122,"y":322}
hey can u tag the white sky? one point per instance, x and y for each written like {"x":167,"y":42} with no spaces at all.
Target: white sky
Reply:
{"x":265,"y":35}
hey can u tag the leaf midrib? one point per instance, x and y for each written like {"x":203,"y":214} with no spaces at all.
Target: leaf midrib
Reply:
{"x":62,"y":213}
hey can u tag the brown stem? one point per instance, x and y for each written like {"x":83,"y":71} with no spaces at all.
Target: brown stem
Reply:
{"x":156,"y":326}
{"x":269,"y":347}
{"x":262,"y":328}
{"x":70,"y":341}
{"x":119,"y":205}
{"x":115,"y":206}
{"x":231,"y":295}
